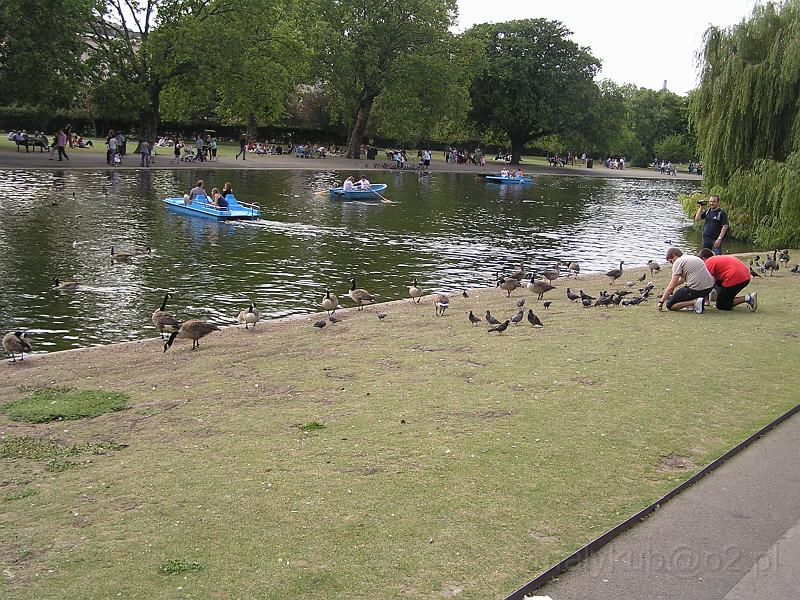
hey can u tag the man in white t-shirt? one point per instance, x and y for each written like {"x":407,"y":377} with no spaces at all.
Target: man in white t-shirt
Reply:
{"x":693,"y":272}
{"x":364,"y":183}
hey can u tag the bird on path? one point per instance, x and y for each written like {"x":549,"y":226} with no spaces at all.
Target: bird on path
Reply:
{"x":191,"y":330}
{"x":473,"y":319}
{"x":509,"y":285}
{"x":442,"y":303}
{"x":163,"y":319}
{"x":795,"y":269}
{"x":572,"y":295}
{"x":653,"y":266}
{"x":784,"y":258}
{"x":586,"y":302}
{"x":534,"y":320}
{"x":546,"y":304}
{"x":334,"y":320}
{"x":552,"y":274}
{"x":16,"y":342}
{"x":359,"y":295}
{"x":464,"y":294}
{"x":500,"y":328}
{"x":330,"y":302}
{"x":771,"y":264}
{"x":754,"y":273}
{"x":615,"y":274}
{"x":573,"y":268}
{"x":644,"y":276}
{"x":538,"y":287}
{"x":414,"y":291}
{"x":320,"y":324}
{"x":381,"y":316}
{"x":490,"y":319}
{"x":250,"y":316}
{"x":585,"y":296}
{"x":518,"y":274}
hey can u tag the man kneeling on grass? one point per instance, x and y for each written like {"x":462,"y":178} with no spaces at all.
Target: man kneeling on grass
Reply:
{"x":731,"y":276}
{"x":699,"y":282}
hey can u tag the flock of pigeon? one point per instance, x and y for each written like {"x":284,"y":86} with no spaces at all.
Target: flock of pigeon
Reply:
{"x":17,"y":343}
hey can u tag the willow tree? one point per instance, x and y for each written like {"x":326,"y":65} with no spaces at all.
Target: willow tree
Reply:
{"x":533,"y":81}
{"x":370,"y":48}
{"x":745,"y":112}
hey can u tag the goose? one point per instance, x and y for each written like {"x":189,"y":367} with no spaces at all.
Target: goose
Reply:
{"x":615,"y":274}
{"x":146,"y":251}
{"x":473,"y":319}
{"x":251,"y":316}
{"x":519,"y":275}
{"x":163,"y":319}
{"x":552,"y":274}
{"x":574,"y":268}
{"x":16,"y":342}
{"x":784,"y":259}
{"x":359,"y":296}
{"x":415,"y":292}
{"x":500,"y":328}
{"x":771,"y":264}
{"x":534,"y":320}
{"x":442,"y":303}
{"x":490,"y":319}
{"x":120,"y":256}
{"x":330,"y":302}
{"x":191,"y":330}
{"x":538,"y":287}
{"x":652,"y":265}
{"x":65,"y":285}
{"x":509,"y":285}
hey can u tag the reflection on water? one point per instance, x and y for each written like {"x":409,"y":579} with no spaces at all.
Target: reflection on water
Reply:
{"x":450,"y":231}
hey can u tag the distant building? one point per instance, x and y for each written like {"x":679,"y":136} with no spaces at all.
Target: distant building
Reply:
{"x":664,"y":89}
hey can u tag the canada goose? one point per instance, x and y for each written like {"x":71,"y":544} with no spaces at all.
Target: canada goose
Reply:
{"x":120,"y":256}
{"x":147,"y":251}
{"x":251,"y":316}
{"x":473,"y":319}
{"x":500,"y":328}
{"x":442,"y":303}
{"x":784,"y":258}
{"x":415,"y":292}
{"x":615,"y":274}
{"x":574,"y":268}
{"x":519,"y":275}
{"x":163,"y":319}
{"x":330,"y":302}
{"x":538,"y":287}
{"x":652,"y":265}
{"x":534,"y":320}
{"x":16,"y":342}
{"x":359,"y":296}
{"x":191,"y":330}
{"x":509,"y":285}
{"x":771,"y":264}
{"x":552,"y":274}
{"x":490,"y":319}
{"x":65,"y":285}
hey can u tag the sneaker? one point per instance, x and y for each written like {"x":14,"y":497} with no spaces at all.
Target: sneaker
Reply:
{"x":752,"y":301}
{"x":698,"y":306}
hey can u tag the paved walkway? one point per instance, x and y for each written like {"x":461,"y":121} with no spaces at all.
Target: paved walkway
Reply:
{"x":734,"y":535}
{"x":80,"y":159}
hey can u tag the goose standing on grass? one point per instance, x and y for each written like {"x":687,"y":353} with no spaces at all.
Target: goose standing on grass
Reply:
{"x":414,"y":291}
{"x":552,"y":274}
{"x":120,"y":256}
{"x":163,"y":319}
{"x":771,"y":264}
{"x":538,"y":287}
{"x":509,"y":285}
{"x":251,"y":316}
{"x":615,"y":274}
{"x":442,"y":303}
{"x":65,"y":285}
{"x":330,"y":302}
{"x":574,"y":268}
{"x":652,"y":265}
{"x":359,"y":296}
{"x":16,"y":342}
{"x":784,"y":259}
{"x":191,"y":330}
{"x":519,"y":275}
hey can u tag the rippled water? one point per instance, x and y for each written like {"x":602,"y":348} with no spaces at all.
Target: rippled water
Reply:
{"x":450,"y":230}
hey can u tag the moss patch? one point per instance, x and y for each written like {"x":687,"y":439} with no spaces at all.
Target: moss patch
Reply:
{"x":63,"y":404}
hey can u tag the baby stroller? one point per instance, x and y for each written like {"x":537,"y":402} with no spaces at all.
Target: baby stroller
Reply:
{"x":188,"y":154}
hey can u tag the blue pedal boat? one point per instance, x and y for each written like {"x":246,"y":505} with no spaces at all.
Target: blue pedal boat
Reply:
{"x":507,"y":180}
{"x":359,"y":194}
{"x":201,"y":207}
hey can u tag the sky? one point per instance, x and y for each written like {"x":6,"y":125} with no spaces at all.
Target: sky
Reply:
{"x":638,"y":41}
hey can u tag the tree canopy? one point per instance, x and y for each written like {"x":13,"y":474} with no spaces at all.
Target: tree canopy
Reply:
{"x":532,"y":80}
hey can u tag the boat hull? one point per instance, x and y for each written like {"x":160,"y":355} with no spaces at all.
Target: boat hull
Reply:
{"x":508,"y":180}
{"x":199,"y":207}
{"x":340,"y":194}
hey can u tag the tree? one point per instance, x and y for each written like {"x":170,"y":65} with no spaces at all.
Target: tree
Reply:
{"x":533,"y":80}
{"x":673,"y":148}
{"x":367,"y":49}
{"x":147,"y":44}
{"x":40,"y":51}
{"x":655,"y":115}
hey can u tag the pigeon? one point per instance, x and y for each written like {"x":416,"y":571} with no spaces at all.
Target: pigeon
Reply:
{"x":500,"y":328}
{"x":586,"y":296}
{"x":795,"y":269}
{"x":521,"y":302}
{"x":490,"y":319}
{"x":572,"y":295}
{"x":320,"y":324}
{"x":546,"y":304}
{"x":381,"y":316}
{"x":586,"y":302}
{"x":464,"y":294}
{"x":334,"y":320}
{"x":517,"y":317}
{"x":534,"y":320}
{"x":473,"y":319}
{"x":643,"y":277}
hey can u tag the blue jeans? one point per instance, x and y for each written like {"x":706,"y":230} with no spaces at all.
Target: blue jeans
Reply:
{"x":710,"y":245}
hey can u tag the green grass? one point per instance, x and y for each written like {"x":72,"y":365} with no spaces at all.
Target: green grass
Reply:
{"x":25,"y":493}
{"x":312,"y":426}
{"x":179,"y":566}
{"x":450,"y":459}
{"x":63,"y":404}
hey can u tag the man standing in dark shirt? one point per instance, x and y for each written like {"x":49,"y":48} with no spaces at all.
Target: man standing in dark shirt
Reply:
{"x":716,"y":224}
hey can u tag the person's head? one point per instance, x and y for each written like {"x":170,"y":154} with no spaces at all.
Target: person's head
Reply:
{"x":673,"y":254}
{"x":227,"y":186}
{"x":349,"y":178}
{"x":705,"y":254}
{"x":200,"y":183}
{"x":362,"y":178}
{"x":214,"y":192}
{"x":714,"y":201}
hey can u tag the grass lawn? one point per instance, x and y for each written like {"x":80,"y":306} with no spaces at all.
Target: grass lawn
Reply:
{"x":418,"y":457}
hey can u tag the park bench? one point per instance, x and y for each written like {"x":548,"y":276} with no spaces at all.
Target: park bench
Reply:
{"x":30,"y":144}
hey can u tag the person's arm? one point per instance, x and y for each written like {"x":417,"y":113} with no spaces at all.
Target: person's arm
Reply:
{"x":700,"y":214}
{"x":722,"y":232}
{"x":668,"y":291}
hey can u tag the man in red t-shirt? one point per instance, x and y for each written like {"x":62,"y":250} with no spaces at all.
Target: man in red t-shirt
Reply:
{"x":731,"y":276}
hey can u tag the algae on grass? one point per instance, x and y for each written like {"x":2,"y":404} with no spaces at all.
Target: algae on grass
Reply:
{"x":63,"y":404}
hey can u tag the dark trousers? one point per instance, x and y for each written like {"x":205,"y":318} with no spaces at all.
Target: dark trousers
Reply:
{"x":62,"y":153}
{"x":241,"y":151}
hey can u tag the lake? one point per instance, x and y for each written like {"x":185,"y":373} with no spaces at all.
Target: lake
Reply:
{"x":451,"y":231}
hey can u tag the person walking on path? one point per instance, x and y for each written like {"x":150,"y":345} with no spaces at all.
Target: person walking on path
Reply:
{"x":716,"y":224}
{"x":61,"y":141}
{"x":242,"y":144}
{"x":144,"y":151}
{"x":692,"y":271}
{"x":731,"y":276}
